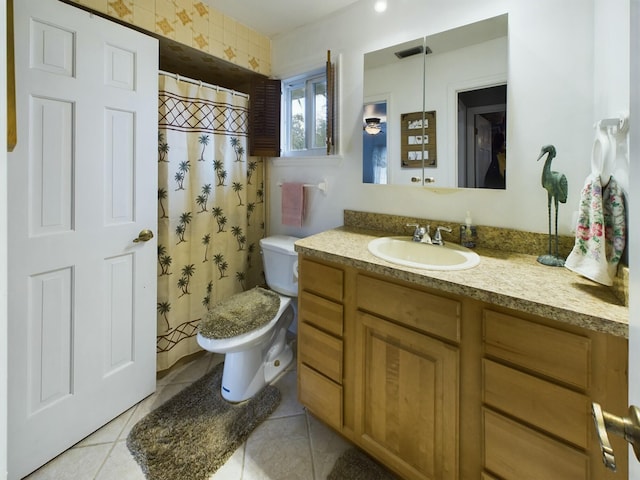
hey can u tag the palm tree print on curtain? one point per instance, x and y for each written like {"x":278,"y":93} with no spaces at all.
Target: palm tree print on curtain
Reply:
{"x":210,"y":210}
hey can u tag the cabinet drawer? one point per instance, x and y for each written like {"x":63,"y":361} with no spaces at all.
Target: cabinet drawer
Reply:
{"x":514,"y":452}
{"x":551,"y":352}
{"x":320,"y":351}
{"x":429,"y":313}
{"x":320,"y":395}
{"x":322,"y":279}
{"x":320,"y":312}
{"x":552,"y":408}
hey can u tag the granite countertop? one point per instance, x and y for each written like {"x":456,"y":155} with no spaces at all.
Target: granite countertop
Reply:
{"x":508,"y":279}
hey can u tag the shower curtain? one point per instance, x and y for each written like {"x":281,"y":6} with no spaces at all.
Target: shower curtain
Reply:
{"x":210,"y":209}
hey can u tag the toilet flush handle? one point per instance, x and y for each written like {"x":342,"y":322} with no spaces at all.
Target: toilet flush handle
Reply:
{"x":295,"y":271}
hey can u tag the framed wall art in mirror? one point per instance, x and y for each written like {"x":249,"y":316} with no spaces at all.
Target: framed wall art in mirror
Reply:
{"x":418,"y":140}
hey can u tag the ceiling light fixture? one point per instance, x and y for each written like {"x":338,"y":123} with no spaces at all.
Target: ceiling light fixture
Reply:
{"x":380,"y":6}
{"x":372,"y":126}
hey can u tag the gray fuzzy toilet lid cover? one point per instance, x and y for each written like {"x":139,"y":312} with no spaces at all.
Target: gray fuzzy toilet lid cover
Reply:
{"x":240,"y":313}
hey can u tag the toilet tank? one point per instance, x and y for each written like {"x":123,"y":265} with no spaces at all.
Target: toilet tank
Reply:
{"x":280,"y":262}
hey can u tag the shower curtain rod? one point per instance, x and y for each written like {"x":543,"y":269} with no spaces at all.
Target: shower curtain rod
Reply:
{"x":201,"y":83}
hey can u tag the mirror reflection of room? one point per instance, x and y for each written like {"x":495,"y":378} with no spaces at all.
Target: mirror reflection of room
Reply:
{"x":463,"y":64}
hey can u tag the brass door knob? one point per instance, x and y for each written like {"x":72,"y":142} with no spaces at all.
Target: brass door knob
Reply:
{"x":144,"y":236}
{"x":625,"y":427}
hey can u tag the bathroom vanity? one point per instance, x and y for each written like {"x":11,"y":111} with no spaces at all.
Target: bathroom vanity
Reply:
{"x":487,"y":373}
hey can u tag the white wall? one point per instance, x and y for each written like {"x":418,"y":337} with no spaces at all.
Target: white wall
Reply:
{"x":612,"y":70}
{"x":3,"y":252}
{"x":557,"y":89}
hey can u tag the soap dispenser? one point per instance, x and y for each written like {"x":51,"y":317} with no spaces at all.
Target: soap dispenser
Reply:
{"x":468,"y":233}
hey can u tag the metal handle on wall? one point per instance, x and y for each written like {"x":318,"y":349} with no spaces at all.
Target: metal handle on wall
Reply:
{"x":426,"y":180}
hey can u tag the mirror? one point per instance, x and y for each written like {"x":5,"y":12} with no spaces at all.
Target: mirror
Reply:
{"x":434,"y":109}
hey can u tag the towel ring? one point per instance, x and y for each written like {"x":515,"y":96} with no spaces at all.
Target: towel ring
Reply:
{"x":601,"y":163}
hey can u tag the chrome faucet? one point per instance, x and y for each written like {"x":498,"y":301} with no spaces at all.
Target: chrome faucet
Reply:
{"x":437,"y":239}
{"x":420,"y":234}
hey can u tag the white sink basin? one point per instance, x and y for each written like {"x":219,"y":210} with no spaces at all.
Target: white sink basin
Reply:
{"x":404,"y":251}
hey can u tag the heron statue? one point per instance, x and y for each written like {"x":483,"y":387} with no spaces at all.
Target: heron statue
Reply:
{"x":555,"y":183}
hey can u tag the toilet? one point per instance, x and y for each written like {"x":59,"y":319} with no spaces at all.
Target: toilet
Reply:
{"x":255,"y":358}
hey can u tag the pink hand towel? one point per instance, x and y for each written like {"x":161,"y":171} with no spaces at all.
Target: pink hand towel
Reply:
{"x":293,"y":204}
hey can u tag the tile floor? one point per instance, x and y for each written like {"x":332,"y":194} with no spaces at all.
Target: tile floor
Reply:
{"x":290,"y":445}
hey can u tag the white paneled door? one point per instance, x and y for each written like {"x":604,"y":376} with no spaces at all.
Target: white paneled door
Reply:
{"x":82,"y":185}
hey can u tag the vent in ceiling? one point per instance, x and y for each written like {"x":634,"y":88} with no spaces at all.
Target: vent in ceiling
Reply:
{"x":409,"y":52}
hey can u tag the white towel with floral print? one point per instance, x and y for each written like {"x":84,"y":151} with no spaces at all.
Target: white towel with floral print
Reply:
{"x":600,"y":232}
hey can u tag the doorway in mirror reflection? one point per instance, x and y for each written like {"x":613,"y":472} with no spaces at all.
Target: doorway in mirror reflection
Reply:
{"x":482,"y":133}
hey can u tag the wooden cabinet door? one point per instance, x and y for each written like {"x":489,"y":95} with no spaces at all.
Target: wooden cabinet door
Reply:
{"x":408,"y":400}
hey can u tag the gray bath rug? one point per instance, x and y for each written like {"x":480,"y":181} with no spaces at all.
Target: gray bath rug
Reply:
{"x":195,"y":432}
{"x":354,"y":464}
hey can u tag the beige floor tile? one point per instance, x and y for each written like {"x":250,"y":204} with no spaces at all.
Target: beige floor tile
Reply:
{"x":120,"y":465}
{"x":279,"y":450}
{"x":289,"y":405}
{"x":326,"y":446}
{"x":110,"y":432}
{"x":79,"y":463}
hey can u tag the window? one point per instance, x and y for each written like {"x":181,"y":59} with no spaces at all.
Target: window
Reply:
{"x":305,"y":114}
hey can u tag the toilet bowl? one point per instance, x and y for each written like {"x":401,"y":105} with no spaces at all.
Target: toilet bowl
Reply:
{"x":255,"y":358}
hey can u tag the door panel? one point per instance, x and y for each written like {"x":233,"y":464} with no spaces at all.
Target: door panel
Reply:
{"x":83,"y":183}
{"x":50,"y":329}
{"x":119,"y":320}
{"x":119,"y":166}
{"x":51,"y":177}
{"x":52,"y":48}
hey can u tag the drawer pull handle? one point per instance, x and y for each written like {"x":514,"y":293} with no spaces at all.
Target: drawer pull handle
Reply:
{"x":625,"y":427}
